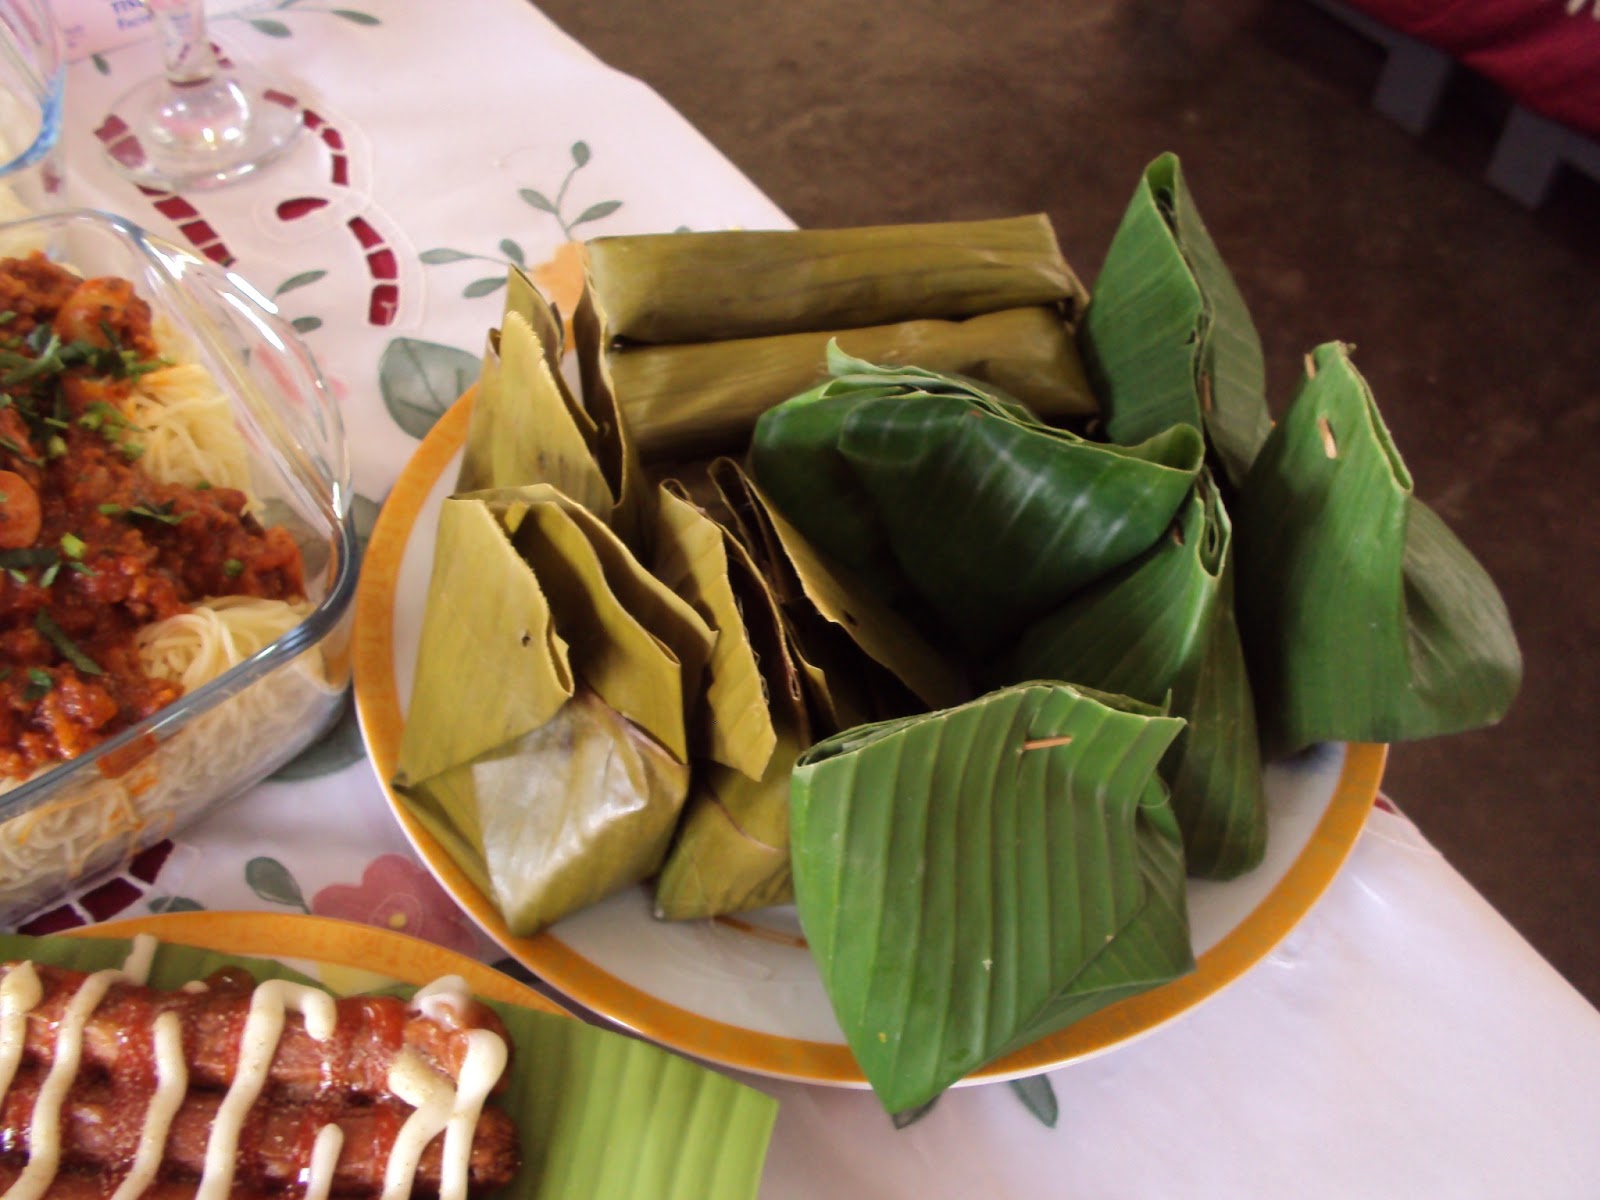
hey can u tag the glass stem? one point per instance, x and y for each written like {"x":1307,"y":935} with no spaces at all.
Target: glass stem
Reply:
{"x":185,"y":48}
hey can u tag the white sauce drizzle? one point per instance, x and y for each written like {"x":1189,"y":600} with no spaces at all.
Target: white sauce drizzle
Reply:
{"x":438,"y":1103}
{"x":481,"y":1069}
{"x":141,"y":957}
{"x":262,"y":1029}
{"x":445,"y":1000}
{"x":44,"y":1126}
{"x":20,"y":993}
{"x":172,"y":1084}
{"x":414,"y":1080}
{"x":318,"y":1176}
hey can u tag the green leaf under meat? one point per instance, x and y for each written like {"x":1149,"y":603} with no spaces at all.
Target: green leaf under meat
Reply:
{"x":597,"y":1113}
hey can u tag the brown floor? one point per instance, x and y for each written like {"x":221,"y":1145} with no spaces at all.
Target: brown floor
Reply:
{"x":1475,"y":320}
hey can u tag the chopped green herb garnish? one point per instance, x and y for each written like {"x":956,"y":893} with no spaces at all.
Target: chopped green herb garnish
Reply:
{"x":162,"y":513}
{"x":132,"y":450}
{"x":203,"y":486}
{"x":233,"y":568}
{"x":82,"y":568}
{"x":7,"y":444}
{"x":72,"y":545}
{"x":56,"y":447}
{"x":19,"y":577}
{"x":28,"y":556}
{"x":46,"y":625}
{"x":109,"y":510}
{"x":39,"y":685}
{"x":48,"y":576}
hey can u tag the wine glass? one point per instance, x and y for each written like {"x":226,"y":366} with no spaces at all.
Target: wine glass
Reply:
{"x":200,"y":124}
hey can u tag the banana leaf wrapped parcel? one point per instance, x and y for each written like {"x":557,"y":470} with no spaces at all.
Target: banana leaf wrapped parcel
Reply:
{"x":1162,"y":630}
{"x":693,"y":336}
{"x":972,"y":880}
{"x":1167,"y":338}
{"x":826,"y":585}
{"x":548,"y":736}
{"x":1364,"y":617}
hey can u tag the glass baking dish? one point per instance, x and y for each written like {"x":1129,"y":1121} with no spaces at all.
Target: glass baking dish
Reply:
{"x":97,"y":811}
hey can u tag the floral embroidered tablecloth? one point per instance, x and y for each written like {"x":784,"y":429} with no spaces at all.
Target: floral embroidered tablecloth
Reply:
{"x":1403,"y":1042}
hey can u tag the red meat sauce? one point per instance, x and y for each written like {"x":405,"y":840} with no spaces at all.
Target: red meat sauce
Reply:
{"x":91,"y":548}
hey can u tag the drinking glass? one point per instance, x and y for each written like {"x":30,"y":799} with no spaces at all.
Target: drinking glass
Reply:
{"x":199,"y":124}
{"x":32,"y":76}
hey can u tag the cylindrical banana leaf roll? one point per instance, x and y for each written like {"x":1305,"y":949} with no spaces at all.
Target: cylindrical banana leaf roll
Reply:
{"x":716,"y":286}
{"x":704,"y":398}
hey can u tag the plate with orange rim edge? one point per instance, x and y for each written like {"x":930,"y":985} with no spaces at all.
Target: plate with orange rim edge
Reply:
{"x":343,"y":956}
{"x":743,"y":991}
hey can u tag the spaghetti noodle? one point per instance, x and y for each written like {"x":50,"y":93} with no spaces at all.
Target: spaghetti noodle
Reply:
{"x":132,"y":569}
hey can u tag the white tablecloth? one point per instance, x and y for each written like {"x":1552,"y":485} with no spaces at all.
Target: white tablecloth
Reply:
{"x":1404,"y":1041}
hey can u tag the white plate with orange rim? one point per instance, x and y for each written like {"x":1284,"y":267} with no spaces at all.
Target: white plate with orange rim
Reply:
{"x":744,"y":992}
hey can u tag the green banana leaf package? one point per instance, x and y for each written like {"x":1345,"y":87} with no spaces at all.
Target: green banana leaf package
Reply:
{"x":1364,"y":617}
{"x":547,"y":742}
{"x":856,"y":612}
{"x":1162,"y":630}
{"x":1167,"y":338}
{"x":973,"y":879}
{"x":954,"y":501}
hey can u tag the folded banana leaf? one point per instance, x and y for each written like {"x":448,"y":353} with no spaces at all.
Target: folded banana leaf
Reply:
{"x":704,"y":287}
{"x":988,"y":517}
{"x":525,"y":428}
{"x":974,"y":879}
{"x":735,"y":726}
{"x":1167,"y":338}
{"x":485,"y":612}
{"x":547,"y":737}
{"x":831,"y":615}
{"x":562,"y":817}
{"x":1364,"y":618}
{"x":1162,"y":630}
{"x":731,"y":853}
{"x":701,"y":398}
{"x":615,"y":447}
{"x":631,"y":638}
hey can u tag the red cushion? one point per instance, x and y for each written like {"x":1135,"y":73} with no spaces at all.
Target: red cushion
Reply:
{"x":1546,"y":59}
